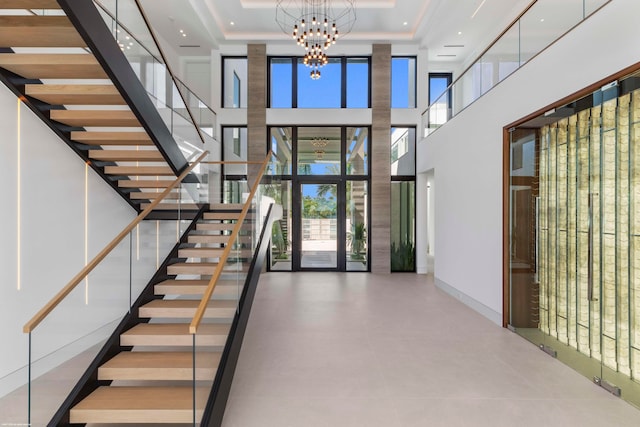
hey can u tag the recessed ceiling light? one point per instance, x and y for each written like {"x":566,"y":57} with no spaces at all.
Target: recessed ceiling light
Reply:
{"x":232,"y":23}
{"x":405,"y":23}
{"x":459,"y":33}
{"x":542,"y":20}
{"x":181,"y":31}
{"x":184,"y":35}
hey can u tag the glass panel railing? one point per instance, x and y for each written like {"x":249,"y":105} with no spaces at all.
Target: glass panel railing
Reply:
{"x":225,"y":289}
{"x":190,"y":120}
{"x":66,"y":342}
{"x":68,"y":332}
{"x":536,"y":28}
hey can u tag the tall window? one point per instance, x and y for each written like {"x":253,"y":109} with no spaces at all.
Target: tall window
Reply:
{"x":234,"y":85}
{"x":403,"y":82}
{"x":403,"y":182}
{"x":344,"y":83}
{"x":439,"y":99}
{"x":281,"y":82}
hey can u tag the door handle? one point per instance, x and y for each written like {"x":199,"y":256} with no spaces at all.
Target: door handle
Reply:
{"x":590,"y":296}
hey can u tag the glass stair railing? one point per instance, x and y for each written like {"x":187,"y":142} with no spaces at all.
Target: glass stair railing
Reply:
{"x":184,"y":313}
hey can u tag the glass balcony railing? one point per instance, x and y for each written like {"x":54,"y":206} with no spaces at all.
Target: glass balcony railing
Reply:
{"x":191,"y":121}
{"x":542,"y":23}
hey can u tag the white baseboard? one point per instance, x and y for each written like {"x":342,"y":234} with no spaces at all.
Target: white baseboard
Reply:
{"x":476,"y":305}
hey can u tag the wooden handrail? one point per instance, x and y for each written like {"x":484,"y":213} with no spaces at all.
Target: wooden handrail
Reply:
{"x":197,"y":318}
{"x":231,"y":162}
{"x":57,"y":299}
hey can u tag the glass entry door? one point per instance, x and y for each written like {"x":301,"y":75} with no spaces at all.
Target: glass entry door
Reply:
{"x":574,"y":239}
{"x":318,"y":226}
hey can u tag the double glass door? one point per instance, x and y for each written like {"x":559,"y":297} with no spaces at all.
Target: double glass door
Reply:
{"x":574,"y":240}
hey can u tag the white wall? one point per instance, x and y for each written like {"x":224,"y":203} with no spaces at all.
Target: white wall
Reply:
{"x":466,"y":153}
{"x":50,"y":210}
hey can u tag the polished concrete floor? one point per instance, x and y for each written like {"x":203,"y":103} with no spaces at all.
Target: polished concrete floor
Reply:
{"x":365,"y":350}
{"x":335,"y":349}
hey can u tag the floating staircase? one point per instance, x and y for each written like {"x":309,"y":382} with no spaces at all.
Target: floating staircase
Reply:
{"x":74,"y":94}
{"x":148,"y":375}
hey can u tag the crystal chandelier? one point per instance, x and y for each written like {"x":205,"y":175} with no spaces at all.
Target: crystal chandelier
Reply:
{"x":315,"y":25}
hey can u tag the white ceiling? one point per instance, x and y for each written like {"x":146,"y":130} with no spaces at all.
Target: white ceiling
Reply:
{"x":467,"y":26}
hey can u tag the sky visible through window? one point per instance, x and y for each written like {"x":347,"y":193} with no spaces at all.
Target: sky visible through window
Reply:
{"x":326,"y":91}
{"x":437,"y":86}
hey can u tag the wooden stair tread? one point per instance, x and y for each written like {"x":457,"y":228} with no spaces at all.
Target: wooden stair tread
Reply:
{"x":196,"y":287}
{"x":29,"y":4}
{"x":144,"y":183}
{"x":38,"y":31}
{"x":149,"y":195}
{"x":187,"y":308}
{"x":214,"y":226}
{"x":221,"y":215}
{"x":173,"y":206}
{"x":192,"y":268}
{"x":106,"y":118}
{"x":140,"y":404}
{"x":89,"y":94}
{"x":155,"y":365}
{"x":139,"y":170}
{"x":53,"y":66}
{"x":174,"y":334}
{"x":100,"y":138}
{"x":226,"y":206}
{"x":208,"y":238}
{"x":200,"y":252}
{"x":126,"y":155}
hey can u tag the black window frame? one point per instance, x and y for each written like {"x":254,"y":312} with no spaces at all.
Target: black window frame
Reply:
{"x":440,"y":75}
{"x":222,"y":79}
{"x":298,"y":179}
{"x":408,"y":178}
{"x":294,"y":78}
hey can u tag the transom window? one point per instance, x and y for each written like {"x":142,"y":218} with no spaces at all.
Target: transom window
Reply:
{"x":344,"y":83}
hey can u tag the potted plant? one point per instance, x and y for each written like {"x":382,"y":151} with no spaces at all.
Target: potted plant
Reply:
{"x":357,"y":238}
